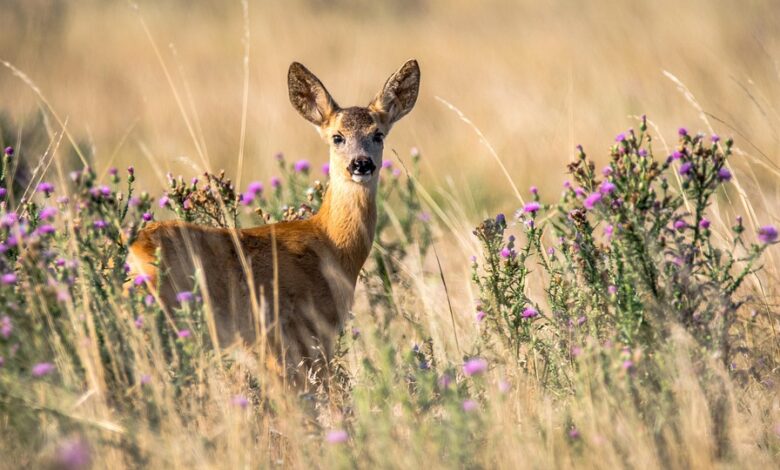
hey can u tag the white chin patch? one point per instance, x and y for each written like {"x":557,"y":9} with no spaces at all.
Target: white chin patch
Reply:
{"x":361,"y":178}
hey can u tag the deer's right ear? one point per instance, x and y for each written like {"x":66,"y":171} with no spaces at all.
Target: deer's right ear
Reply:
{"x":309,"y":96}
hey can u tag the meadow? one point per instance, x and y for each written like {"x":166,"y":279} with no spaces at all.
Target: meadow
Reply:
{"x":575,"y":263}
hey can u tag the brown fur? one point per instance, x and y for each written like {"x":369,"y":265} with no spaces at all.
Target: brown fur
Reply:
{"x":315,"y":261}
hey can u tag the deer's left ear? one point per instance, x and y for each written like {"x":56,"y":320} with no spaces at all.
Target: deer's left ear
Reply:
{"x":399,"y":94}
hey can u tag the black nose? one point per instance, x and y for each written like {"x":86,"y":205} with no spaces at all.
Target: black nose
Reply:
{"x":361,"y":166}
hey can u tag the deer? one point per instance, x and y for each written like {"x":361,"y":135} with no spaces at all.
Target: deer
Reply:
{"x":289,"y":284}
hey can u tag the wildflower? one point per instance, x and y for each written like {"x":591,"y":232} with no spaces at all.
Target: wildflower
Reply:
{"x":534,"y":190}
{"x":682,"y":132}
{"x":147,"y":216}
{"x":337,"y":436}
{"x":475,"y":366}
{"x":685,"y":168}
{"x":184,"y":296}
{"x":46,"y":229}
{"x":581,"y":320}
{"x":414,"y":152}
{"x":470,"y":405}
{"x":724,"y":174}
{"x":47,"y":212}
{"x":9,"y":219}
{"x":767,"y":234}
{"x":574,"y":433}
{"x":424,"y":217}
{"x":183,"y":334}
{"x":247,"y":198}
{"x":481,"y":315}
{"x":445,"y":381}
{"x":73,"y":454}
{"x":139,"y":322}
{"x":301,"y":166}
{"x":529,"y":312}
{"x":576,"y":351}
{"x":142,"y":279}
{"x":45,"y":188}
{"x":187,"y":204}
{"x":715,"y":138}
{"x":100,"y":224}
{"x":677,"y":155}
{"x":606,"y":187}
{"x":6,"y":327}
{"x":275,"y":182}
{"x":240,"y":401}
{"x":612,"y":289}
{"x":628,"y":364}
{"x":131,"y":171}
{"x":504,"y":386}
{"x":9,"y":151}
{"x":532,"y":207}
{"x":42,"y":368}
{"x":608,"y":231}
{"x":326,"y":169}
{"x":8,"y":279}
{"x":501,"y":219}
{"x":149,"y":300}
{"x":387,"y":164}
{"x":704,"y":224}
{"x":579,"y":192}
{"x":396,"y":172}
{"x":506,"y":253}
{"x":279,"y":156}
{"x":642,"y":153}
{"x":551,"y":251}
{"x":146,"y":379}
{"x":592,"y":200}
{"x":680,"y":225}
{"x":606,"y":171}
{"x":567,"y":184}
{"x":164,"y":200}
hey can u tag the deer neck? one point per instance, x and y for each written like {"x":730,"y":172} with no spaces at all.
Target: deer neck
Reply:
{"x":348,"y":219}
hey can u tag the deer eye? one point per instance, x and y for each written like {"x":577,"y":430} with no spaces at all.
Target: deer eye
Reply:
{"x":379,"y":137}
{"x":338,"y":139}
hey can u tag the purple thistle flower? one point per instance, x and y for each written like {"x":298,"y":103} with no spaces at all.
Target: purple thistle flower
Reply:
{"x":677,"y":155}
{"x":387,"y":164}
{"x":3,"y":192}
{"x":475,"y":366}
{"x":620,"y":137}
{"x":164,"y":200}
{"x":239,"y":401}
{"x":724,"y":174}
{"x":142,"y":279}
{"x":6,"y":327}
{"x":187,"y":204}
{"x":685,"y":168}
{"x":682,"y":132}
{"x":8,"y":279}
{"x":501,"y":219}
{"x":470,"y":405}
{"x":100,"y":224}
{"x":567,"y":184}
{"x":255,"y":187}
{"x":704,"y":224}
{"x":42,"y":368}
{"x":445,"y":381}
{"x":574,"y":433}
{"x":532,"y":207}
{"x":9,"y":219}
{"x":184,"y":296}
{"x":534,"y":190}
{"x":184,"y":334}
{"x":131,"y":171}
{"x":147,"y":216}
{"x":680,"y":225}
{"x":529,"y":312}
{"x":504,"y":386}
{"x":47,"y":212}
{"x":45,"y":187}
{"x":275,"y":182}
{"x":46,"y":229}
{"x":608,"y":231}
{"x":612,"y":289}
{"x":396,"y":172}
{"x":139,"y":322}
{"x":715,"y":138}
{"x":628,"y":364}
{"x":9,"y":151}
{"x":146,"y":379}
{"x":606,"y":187}
{"x":481,"y":315}
{"x":247,"y":198}
{"x":606,"y":171}
{"x":337,"y":436}
{"x":424,"y":217}
{"x":301,"y":166}
{"x":642,"y":153}
{"x":326,"y":169}
{"x":506,"y":253}
{"x":73,"y":454}
{"x":767,"y":234}
{"x":134,"y":201}
{"x":551,"y":251}
{"x":592,"y":200}
{"x":113,"y":171}
{"x":279,"y":156}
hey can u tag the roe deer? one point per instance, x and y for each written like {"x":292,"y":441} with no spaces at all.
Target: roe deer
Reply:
{"x":301,"y":274}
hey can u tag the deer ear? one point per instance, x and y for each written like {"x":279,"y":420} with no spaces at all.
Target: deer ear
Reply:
{"x":309,"y":96}
{"x":399,"y":94}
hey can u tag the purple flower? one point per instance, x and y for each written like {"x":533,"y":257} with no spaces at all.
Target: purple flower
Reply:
{"x":715,"y":138}
{"x":387,"y":164}
{"x":255,"y":187}
{"x":139,"y":322}
{"x":9,"y":219}
{"x":301,"y":166}
{"x":275,"y":182}
{"x":3,"y":192}
{"x":42,"y":368}
{"x":767,"y":234}
{"x":424,"y":217}
{"x":9,"y":151}
{"x":146,"y":379}
{"x":184,"y":334}
{"x":47,"y":212}
{"x":481,"y":315}
{"x":608,"y":231}
{"x":685,"y":168}
{"x":8,"y":279}
{"x":247,"y":198}
{"x":470,"y":405}
{"x":606,"y":171}
{"x":164,"y":201}
{"x":504,"y":386}
{"x":704,"y":224}
{"x":187,"y":204}
{"x":239,"y":401}
{"x":73,"y":454}
{"x":46,"y":229}
{"x":724,"y":174}
{"x":529,"y":312}
{"x":534,"y":190}
{"x":642,"y":153}
{"x":337,"y":436}
{"x":326,"y":169}
{"x":45,"y":187}
{"x":680,"y":225}
{"x":506,"y":253}
{"x":682,"y":132}
{"x":6,"y":327}
{"x":279,"y":156}
{"x":147,"y":216}
{"x":100,"y":224}
{"x":532,"y":207}
{"x":113,"y":171}
{"x":612,"y":289}
{"x":396,"y":172}
{"x":677,"y":155}
{"x":620,"y":137}
{"x":142,"y":279}
{"x":501,"y":219}
{"x":414,"y":152}
{"x":628,"y":364}
{"x":592,"y":200}
{"x":475,"y":366}
{"x":445,"y":381}
{"x":131,"y":171}
{"x":574,"y":433}
{"x":184,"y":296}
{"x":606,"y":187}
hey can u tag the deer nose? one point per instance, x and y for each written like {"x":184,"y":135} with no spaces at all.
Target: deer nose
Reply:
{"x":361,"y":166}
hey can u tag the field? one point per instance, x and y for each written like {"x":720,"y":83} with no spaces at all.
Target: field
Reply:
{"x":557,"y":281}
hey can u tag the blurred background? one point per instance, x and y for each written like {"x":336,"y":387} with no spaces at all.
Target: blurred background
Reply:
{"x":162,"y":83}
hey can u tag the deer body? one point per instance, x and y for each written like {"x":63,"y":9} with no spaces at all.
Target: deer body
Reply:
{"x":293,"y":278}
